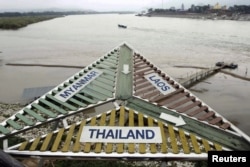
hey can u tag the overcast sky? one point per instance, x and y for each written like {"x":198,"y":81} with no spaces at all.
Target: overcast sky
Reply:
{"x":108,"y":5}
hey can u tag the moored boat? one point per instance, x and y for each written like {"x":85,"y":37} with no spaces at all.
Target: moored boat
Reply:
{"x":122,"y":26}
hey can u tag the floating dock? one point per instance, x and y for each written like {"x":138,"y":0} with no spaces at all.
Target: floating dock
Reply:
{"x":199,"y":76}
{"x":142,"y":100}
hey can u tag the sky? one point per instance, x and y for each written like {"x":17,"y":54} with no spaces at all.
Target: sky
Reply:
{"x":108,"y":5}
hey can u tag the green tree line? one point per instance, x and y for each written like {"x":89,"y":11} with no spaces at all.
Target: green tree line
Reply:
{"x":16,"y":22}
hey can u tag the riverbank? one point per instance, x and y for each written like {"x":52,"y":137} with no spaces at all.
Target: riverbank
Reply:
{"x":210,"y":16}
{"x":16,"y":22}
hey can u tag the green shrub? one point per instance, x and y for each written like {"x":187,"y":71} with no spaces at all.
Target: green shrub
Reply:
{"x":21,"y":21}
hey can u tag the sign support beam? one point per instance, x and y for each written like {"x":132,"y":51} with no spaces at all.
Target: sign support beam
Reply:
{"x":124,"y":85}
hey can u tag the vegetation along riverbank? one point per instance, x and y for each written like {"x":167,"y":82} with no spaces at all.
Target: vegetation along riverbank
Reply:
{"x":16,"y":22}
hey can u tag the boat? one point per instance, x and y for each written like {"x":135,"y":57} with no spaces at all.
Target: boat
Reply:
{"x":220,"y":64}
{"x":232,"y":66}
{"x":122,"y":26}
{"x":226,"y":65}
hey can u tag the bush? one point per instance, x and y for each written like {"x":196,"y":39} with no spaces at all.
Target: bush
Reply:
{"x":21,"y":21}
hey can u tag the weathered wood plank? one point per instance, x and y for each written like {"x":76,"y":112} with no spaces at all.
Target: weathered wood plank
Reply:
{"x":69,"y":138}
{"x":46,"y":142}
{"x":140,"y":81}
{"x":23,"y":146}
{"x":217,"y":147}
{"x":153,"y":149}
{"x":188,"y":107}
{"x":206,"y":116}
{"x":4,"y":130}
{"x":34,"y":145}
{"x":104,"y":86}
{"x":184,"y":142}
{"x":101,"y":90}
{"x":225,"y":125}
{"x":106,"y":70}
{"x":173,"y":139}
{"x":58,"y":109}
{"x":14,"y":124}
{"x":112,"y":57}
{"x":45,"y":111}
{"x":195,"y":144}
{"x":164,"y":147}
{"x":120,"y":146}
{"x":109,"y":64}
{"x":94,"y":94}
{"x":109,"y":148}
{"x":215,"y":120}
{"x":140,"y":74}
{"x":111,"y":78}
{"x":105,"y":81}
{"x":147,"y":66}
{"x":87,"y":146}
{"x":142,"y":86}
{"x":34,"y":114}
{"x":57,"y":140}
{"x":206,"y":145}
{"x":142,"y":146}
{"x":77,"y":147}
{"x":181,"y":102}
{"x":98,"y":146}
{"x":77,"y":102}
{"x":152,"y":95}
{"x":88,"y":100}
{"x":162,"y":97}
{"x":144,"y":91}
{"x":25,"y":119}
{"x":131,"y":146}
{"x":110,"y":61}
{"x":197,"y":111}
{"x":173,"y":98}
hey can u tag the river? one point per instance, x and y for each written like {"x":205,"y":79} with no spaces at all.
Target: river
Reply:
{"x":81,"y":39}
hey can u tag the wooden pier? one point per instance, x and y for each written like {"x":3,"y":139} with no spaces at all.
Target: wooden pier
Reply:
{"x":198,"y":76}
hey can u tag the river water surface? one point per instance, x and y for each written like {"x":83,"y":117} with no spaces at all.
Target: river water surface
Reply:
{"x":81,"y":39}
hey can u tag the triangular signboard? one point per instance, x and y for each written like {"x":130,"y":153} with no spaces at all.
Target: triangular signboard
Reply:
{"x":144,"y":100}
{"x":143,"y":138}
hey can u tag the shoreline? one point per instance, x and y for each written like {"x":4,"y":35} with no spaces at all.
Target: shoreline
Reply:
{"x":17,"y":22}
{"x":44,"y":65}
{"x":211,"y":16}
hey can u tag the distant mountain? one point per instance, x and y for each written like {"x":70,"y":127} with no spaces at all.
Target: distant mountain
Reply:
{"x":47,"y":9}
